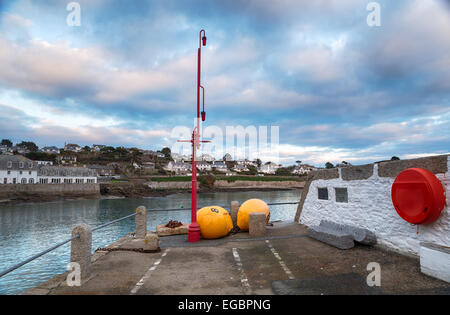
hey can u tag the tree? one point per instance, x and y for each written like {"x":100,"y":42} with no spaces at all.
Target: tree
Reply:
{"x":7,"y":142}
{"x":329,"y":165}
{"x":87,"y":149}
{"x":258,"y":162}
{"x":31,"y":146}
{"x":395,"y":158}
{"x":167,"y":152}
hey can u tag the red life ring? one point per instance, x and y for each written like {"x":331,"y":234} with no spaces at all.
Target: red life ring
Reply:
{"x":418,"y":196}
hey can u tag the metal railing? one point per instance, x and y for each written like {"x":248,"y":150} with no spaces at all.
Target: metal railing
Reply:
{"x":37,"y":256}
{"x":3,"y":273}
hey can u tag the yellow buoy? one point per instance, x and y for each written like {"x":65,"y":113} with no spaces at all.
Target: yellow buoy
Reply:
{"x":214,"y":222}
{"x":250,"y":206}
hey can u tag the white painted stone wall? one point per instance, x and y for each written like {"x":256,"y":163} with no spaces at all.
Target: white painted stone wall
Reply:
{"x":370,"y":206}
{"x":16,"y":174}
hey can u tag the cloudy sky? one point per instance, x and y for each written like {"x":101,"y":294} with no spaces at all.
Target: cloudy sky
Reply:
{"x":337,"y":88}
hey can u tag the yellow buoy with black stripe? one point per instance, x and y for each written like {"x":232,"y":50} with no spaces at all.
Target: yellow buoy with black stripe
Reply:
{"x":214,"y":222}
{"x":250,"y":206}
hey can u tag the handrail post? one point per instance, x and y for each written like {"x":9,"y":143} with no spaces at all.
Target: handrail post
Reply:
{"x":81,"y":249}
{"x":141,"y":222}
{"x":234,"y":211}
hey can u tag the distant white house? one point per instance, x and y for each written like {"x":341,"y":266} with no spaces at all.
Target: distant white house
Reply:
{"x":220,"y":166}
{"x":246,"y":162}
{"x":4,"y":149}
{"x":50,"y":150}
{"x":67,"y":159}
{"x":240,"y":168}
{"x":98,"y":147}
{"x":178,"y":167}
{"x":72,"y":147}
{"x":269,"y":168}
{"x":21,"y":149}
{"x":204,"y":166}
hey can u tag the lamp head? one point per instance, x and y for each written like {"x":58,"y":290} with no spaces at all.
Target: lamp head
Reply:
{"x":204,"y":40}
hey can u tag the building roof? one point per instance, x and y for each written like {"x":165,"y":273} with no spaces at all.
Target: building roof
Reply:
{"x":15,"y":163}
{"x":66,"y":171}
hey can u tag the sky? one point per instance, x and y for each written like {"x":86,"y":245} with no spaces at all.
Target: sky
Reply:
{"x":336,"y":88}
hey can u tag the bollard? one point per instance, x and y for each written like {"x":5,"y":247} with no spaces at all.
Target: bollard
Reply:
{"x":141,"y":222}
{"x":257,"y":224}
{"x":151,"y":241}
{"x":81,"y":248}
{"x":234,"y":211}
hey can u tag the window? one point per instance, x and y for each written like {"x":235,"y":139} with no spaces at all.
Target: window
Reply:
{"x":5,"y":180}
{"x":20,"y":172}
{"x":31,"y":181}
{"x":9,"y":172}
{"x":341,"y":194}
{"x":322,"y":193}
{"x":29,"y":172}
{"x":24,"y":180}
{"x":14,"y":180}
{"x":9,"y":164}
{"x":20,"y":164}
{"x":30,"y":165}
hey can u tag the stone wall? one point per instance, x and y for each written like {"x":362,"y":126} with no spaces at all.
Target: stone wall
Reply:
{"x":19,"y":191}
{"x":171,"y":185}
{"x":234,"y":184}
{"x":369,"y":202}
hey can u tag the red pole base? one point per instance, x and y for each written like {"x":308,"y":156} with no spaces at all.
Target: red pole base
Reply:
{"x":194,"y":232}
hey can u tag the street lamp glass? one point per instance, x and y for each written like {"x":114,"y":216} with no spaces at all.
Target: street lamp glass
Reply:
{"x":204,"y":40}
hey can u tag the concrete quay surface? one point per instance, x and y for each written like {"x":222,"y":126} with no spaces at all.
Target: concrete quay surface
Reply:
{"x":284,"y":261}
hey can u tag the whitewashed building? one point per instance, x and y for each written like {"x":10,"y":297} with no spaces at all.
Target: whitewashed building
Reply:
{"x":204,"y":166}
{"x":240,"y":168}
{"x":16,"y":169}
{"x":72,"y":147}
{"x":178,"y":167}
{"x":97,"y":147}
{"x":220,"y":166}
{"x":66,"y":175}
{"x":51,"y":150}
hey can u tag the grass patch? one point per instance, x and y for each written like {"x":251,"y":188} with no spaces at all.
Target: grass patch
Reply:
{"x":260,"y":178}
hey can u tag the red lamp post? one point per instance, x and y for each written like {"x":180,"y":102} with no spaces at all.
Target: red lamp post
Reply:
{"x":194,"y":228}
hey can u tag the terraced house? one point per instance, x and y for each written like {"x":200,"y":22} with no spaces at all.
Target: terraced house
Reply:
{"x":16,"y":169}
{"x":66,"y":175}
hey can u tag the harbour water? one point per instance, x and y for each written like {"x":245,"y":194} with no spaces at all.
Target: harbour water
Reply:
{"x":27,"y":229}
